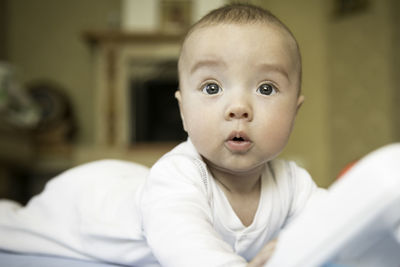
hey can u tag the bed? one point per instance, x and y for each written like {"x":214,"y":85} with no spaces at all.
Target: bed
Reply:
{"x":10,"y":259}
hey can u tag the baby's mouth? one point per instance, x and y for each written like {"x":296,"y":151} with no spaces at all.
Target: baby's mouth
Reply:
{"x":238,"y":142}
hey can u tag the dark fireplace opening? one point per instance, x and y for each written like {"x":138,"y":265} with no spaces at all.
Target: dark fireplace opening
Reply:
{"x":154,"y":110}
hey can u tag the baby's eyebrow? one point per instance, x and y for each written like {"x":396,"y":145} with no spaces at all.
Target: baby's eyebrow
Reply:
{"x":207,"y":63}
{"x":274,"y":67}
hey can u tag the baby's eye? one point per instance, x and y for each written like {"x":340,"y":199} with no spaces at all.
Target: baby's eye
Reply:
{"x":211,"y":89}
{"x":266,"y":89}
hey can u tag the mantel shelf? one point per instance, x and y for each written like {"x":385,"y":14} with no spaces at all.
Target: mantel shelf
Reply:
{"x":120,"y":37}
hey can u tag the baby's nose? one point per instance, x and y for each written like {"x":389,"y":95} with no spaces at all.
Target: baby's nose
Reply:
{"x":239,"y":111}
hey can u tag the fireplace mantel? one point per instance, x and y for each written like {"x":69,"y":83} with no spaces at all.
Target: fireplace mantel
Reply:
{"x":126,"y":37}
{"x":113,"y":52}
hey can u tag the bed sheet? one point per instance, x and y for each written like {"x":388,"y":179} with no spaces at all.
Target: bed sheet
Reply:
{"x":9,"y":259}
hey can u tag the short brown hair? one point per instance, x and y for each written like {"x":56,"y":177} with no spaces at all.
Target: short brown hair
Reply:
{"x":238,"y":14}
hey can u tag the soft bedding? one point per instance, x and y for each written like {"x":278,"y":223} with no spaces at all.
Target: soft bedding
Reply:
{"x":9,"y":259}
{"x":85,"y":215}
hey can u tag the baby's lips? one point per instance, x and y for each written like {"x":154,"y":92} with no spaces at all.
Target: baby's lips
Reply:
{"x":238,"y":146}
{"x":238,"y":134}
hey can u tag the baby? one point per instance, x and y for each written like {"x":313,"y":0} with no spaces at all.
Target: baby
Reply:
{"x":216,"y":199}
{"x":221,"y":196}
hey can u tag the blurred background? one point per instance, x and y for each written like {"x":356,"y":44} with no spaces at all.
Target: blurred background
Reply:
{"x":93,"y":79}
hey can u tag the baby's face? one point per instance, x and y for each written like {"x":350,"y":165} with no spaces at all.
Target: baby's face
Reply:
{"x":239,"y":93}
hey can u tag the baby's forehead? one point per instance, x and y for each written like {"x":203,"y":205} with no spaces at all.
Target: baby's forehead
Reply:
{"x":218,"y":38}
{"x":261,"y":27}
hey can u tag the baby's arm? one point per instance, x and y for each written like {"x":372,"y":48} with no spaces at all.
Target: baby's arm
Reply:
{"x":177,"y":218}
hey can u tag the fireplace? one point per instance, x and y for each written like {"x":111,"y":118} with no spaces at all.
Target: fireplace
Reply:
{"x":154,"y":112}
{"x":135,"y":81}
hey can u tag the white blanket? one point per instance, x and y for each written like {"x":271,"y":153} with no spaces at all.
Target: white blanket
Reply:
{"x":87,"y":212}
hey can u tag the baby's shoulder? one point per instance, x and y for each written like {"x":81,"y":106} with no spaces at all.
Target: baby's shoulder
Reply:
{"x":284,"y":167}
{"x":286,"y":172}
{"x":180,"y":165}
{"x":182,"y":158}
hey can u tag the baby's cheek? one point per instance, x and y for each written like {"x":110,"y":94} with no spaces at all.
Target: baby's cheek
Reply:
{"x":196,"y":126}
{"x":277,"y":132}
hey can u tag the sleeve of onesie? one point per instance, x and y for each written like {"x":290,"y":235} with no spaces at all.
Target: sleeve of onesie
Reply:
{"x":304,"y":191}
{"x":177,"y":218}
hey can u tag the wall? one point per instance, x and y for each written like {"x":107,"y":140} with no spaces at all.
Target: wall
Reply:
{"x":3,"y":25}
{"x":44,"y":40}
{"x":395,"y":10}
{"x":362,"y":85}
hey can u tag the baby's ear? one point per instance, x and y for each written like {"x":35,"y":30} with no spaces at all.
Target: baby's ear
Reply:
{"x":300,"y":101}
{"x":178,"y":97}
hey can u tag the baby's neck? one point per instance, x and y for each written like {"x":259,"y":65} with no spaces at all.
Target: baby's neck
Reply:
{"x":238,"y":183}
{"x":242,"y":191}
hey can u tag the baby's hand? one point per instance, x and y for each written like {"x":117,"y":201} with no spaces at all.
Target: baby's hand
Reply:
{"x":264,"y":255}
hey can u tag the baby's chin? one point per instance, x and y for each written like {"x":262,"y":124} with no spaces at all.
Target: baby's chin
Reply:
{"x":237,"y":168}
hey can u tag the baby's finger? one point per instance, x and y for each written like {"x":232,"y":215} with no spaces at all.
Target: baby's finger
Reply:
{"x":264,"y":255}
